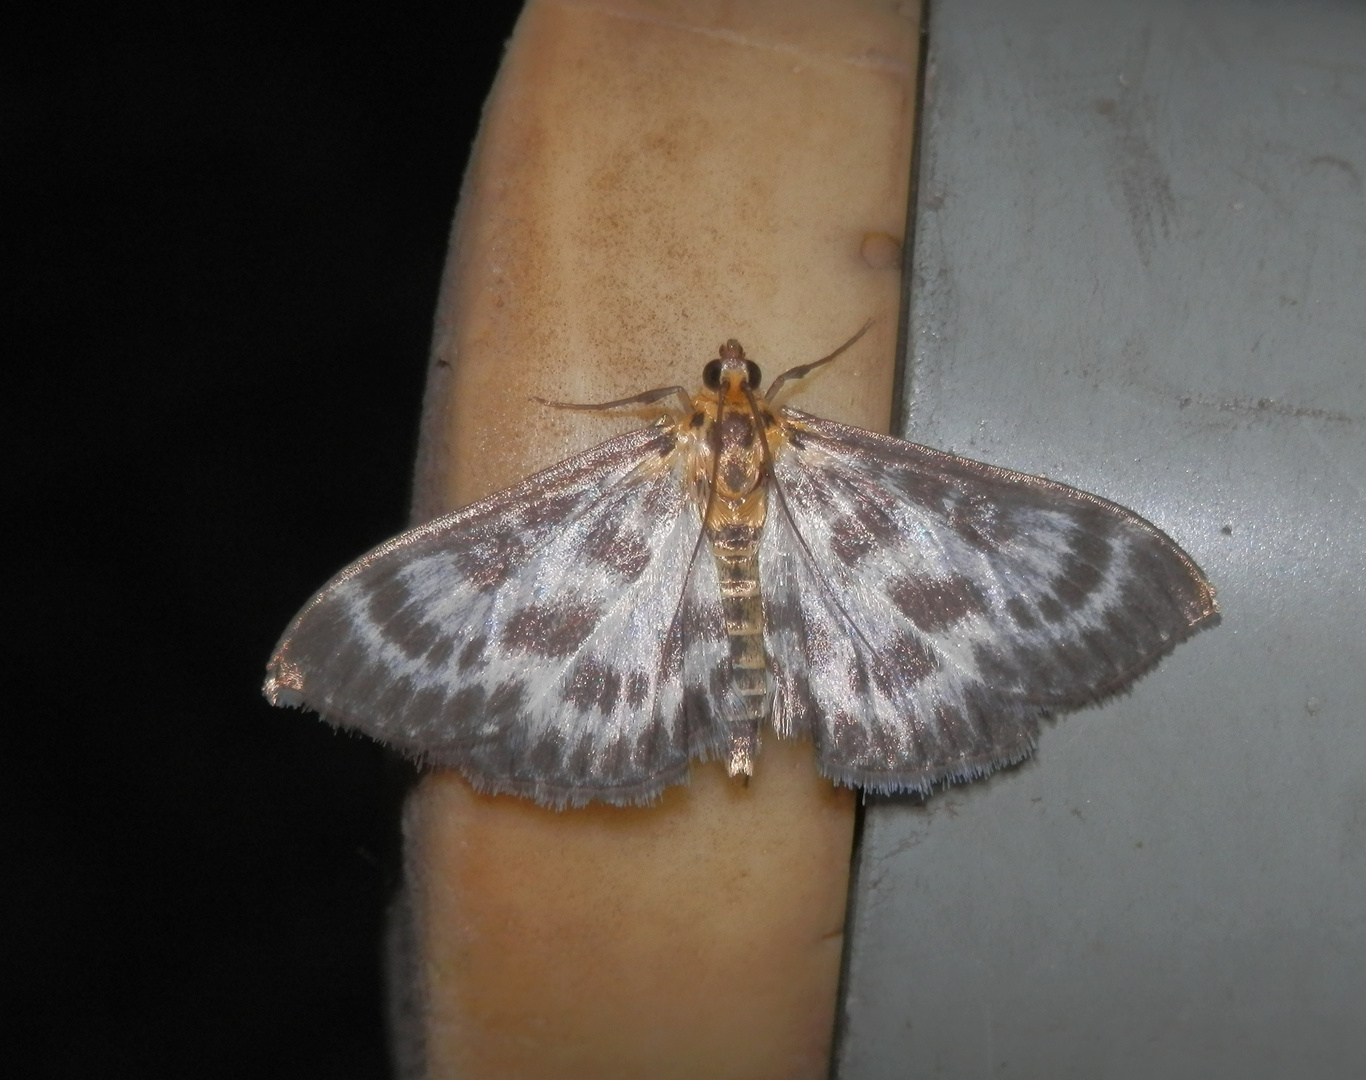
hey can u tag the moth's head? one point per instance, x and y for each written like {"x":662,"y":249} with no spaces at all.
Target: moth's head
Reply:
{"x":730,"y":374}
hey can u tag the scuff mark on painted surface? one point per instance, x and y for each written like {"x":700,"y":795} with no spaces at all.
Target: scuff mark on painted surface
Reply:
{"x":1143,"y":182}
{"x":1264,"y":406}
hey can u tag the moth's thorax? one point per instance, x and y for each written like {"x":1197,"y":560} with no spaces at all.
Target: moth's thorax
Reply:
{"x":726,"y":434}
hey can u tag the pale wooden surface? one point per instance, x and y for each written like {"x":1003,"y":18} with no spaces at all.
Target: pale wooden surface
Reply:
{"x":652,"y":179}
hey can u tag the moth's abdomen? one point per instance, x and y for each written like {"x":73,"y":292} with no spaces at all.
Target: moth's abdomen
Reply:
{"x":745,"y":628}
{"x":736,"y":551}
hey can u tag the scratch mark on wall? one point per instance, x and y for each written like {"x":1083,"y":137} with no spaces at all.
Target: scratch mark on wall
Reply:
{"x":1144,"y":184}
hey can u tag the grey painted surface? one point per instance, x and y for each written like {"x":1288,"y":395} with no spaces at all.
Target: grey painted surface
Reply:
{"x":1141,"y":269}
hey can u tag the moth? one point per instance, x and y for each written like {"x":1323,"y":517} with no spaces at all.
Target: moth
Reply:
{"x":587,"y":633}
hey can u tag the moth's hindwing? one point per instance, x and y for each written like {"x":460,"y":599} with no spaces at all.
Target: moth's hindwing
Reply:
{"x":923,"y":610}
{"x":559,"y":640}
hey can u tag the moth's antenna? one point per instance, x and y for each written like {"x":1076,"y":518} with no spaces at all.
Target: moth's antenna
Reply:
{"x":649,"y":397}
{"x":763,"y":430}
{"x":803,"y":370}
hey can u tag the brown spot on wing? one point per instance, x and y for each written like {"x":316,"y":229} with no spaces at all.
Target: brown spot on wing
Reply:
{"x":1019,"y":611}
{"x":391,"y":608}
{"x":487,"y":564}
{"x":553,"y":629}
{"x":935,"y":604}
{"x":848,"y":742}
{"x":550,"y":509}
{"x":1051,"y":609}
{"x":1091,"y":539}
{"x":467,"y":702}
{"x":637,"y":689}
{"x":544,"y":756}
{"x":656,"y":747}
{"x":593,"y":685}
{"x":953,"y":732}
{"x":1075,"y":582}
{"x":614,"y":544}
{"x":615,"y":760}
{"x":905,"y":657}
{"x":472,"y":655}
{"x":696,"y":709}
{"x":440,"y":652}
{"x":579,"y":764}
{"x":849,"y":540}
{"x":507,"y":702}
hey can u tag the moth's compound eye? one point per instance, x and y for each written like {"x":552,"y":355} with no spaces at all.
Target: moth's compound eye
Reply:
{"x":755,"y":375}
{"x":711,"y":375}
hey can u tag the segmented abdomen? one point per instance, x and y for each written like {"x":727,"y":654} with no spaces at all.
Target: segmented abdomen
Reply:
{"x":737,"y":564}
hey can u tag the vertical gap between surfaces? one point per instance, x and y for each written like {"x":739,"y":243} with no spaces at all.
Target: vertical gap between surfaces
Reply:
{"x":901,"y":382}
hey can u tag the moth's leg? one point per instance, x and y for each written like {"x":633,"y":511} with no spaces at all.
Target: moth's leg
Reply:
{"x":803,"y":370}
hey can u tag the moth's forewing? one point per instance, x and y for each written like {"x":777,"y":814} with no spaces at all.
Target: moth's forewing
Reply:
{"x":529,"y":640}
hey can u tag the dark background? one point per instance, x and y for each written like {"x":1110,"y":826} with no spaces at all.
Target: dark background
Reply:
{"x":223,"y":231}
